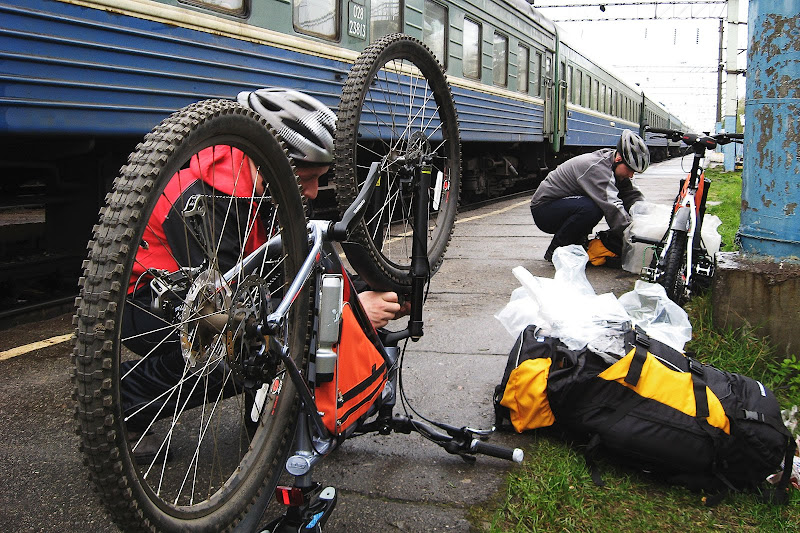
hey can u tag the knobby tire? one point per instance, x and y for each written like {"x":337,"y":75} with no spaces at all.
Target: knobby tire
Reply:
{"x":673,"y":278}
{"x":231,"y":462}
{"x":397,"y":103}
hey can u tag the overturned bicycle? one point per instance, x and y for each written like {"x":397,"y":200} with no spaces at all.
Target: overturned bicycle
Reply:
{"x":278,"y":362}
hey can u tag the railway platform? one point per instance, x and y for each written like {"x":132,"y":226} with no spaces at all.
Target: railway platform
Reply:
{"x":395,"y":482}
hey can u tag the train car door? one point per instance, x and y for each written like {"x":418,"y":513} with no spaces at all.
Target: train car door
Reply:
{"x":561,"y":112}
{"x":547,"y":94}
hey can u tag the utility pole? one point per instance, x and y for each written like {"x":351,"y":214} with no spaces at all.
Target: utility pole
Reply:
{"x":731,"y":100}
{"x":720,"y":68}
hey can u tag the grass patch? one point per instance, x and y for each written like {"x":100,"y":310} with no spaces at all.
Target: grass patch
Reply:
{"x":553,"y":490}
{"x":725,"y":201}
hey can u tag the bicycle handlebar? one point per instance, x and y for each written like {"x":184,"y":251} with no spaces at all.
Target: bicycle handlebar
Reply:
{"x":501,"y":452}
{"x":696,"y":139}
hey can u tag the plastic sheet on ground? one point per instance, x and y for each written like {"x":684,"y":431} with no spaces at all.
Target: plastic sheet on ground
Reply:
{"x":650,"y":221}
{"x":651,"y":309}
{"x":568,"y":308}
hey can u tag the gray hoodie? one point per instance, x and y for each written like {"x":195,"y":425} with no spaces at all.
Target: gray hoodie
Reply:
{"x":591,"y":175}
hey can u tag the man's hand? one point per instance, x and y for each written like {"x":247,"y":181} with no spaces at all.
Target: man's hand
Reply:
{"x":381,"y":307}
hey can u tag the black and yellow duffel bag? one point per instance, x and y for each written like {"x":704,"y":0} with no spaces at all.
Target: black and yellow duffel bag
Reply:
{"x":654,"y":408}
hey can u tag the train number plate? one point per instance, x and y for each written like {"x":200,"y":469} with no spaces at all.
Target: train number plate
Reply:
{"x":357,"y":23}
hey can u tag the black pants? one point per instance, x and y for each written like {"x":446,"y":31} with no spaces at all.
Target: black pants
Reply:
{"x":161,"y":369}
{"x":569,"y":219}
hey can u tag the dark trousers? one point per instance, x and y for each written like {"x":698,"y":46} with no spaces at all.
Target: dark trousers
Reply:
{"x":160,"y":370}
{"x":569,"y":219}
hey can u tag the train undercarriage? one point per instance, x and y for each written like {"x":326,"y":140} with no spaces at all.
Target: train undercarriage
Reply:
{"x":52,"y":190}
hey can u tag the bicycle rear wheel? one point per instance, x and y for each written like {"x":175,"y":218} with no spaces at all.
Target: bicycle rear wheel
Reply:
{"x":181,"y":372}
{"x":396,"y":109}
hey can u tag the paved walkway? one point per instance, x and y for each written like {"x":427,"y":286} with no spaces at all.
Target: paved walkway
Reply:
{"x":395,"y":483}
{"x":404,"y":483}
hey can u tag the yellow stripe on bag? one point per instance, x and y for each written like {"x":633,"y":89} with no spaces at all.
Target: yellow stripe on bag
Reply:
{"x":526,"y":395}
{"x":668,"y":387}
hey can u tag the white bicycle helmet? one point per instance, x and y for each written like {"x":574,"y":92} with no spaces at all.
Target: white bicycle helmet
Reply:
{"x":304,"y":123}
{"x":634,"y":151}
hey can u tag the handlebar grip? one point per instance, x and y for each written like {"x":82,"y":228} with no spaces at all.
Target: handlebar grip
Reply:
{"x":663,"y":130}
{"x":501,"y":452}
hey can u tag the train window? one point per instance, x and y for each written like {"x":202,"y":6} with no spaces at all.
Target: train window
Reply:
{"x":523,"y":64}
{"x":317,"y":17}
{"x":434,"y":31}
{"x":588,"y":91}
{"x":384,"y":18}
{"x":595,"y":93}
{"x":537,"y":74}
{"x":500,"y":59}
{"x":577,"y":81}
{"x":611,"y":106}
{"x":571,"y":81}
{"x":601,"y":105}
{"x":472,"y":49}
{"x":232,"y":7}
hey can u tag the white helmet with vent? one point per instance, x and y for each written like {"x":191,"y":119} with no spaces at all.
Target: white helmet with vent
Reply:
{"x":304,"y":123}
{"x":634,"y":151}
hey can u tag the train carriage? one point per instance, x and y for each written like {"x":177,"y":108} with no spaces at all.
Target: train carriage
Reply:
{"x":674,"y":147}
{"x":656,"y":116}
{"x":599,"y":105}
{"x":84,"y":80}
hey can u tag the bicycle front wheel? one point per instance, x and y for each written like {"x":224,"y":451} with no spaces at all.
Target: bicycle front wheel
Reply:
{"x":674,"y":277}
{"x":184,"y":413}
{"x":397,"y":109}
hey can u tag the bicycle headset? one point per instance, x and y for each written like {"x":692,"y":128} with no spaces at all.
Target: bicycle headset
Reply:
{"x":305,"y":124}
{"x":634,"y":151}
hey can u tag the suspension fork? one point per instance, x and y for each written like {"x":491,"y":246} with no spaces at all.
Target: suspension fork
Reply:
{"x":420,"y":268}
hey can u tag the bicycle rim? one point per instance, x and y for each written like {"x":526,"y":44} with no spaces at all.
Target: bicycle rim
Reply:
{"x":185,"y":373}
{"x":397,"y":106}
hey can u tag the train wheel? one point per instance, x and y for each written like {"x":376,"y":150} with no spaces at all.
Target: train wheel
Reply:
{"x":396,"y":108}
{"x":177,"y":401}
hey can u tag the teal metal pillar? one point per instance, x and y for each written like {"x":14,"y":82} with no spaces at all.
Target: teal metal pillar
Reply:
{"x":770,"y":221}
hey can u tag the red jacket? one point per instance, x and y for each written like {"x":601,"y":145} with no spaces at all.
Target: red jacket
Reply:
{"x":214,"y":171}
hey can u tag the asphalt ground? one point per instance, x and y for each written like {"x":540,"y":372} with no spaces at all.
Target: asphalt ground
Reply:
{"x":385,"y":483}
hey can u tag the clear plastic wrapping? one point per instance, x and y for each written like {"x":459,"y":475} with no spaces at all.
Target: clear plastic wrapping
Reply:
{"x":650,"y":221}
{"x":567,"y":307}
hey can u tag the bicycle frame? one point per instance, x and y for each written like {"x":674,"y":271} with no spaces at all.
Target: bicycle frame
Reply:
{"x":308,"y":501}
{"x":687,"y":217}
{"x":680,"y":255}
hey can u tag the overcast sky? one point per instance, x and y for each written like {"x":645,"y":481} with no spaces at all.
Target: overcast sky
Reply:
{"x":674,"y":61}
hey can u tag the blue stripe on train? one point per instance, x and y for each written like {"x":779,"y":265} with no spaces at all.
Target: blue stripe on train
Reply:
{"x":70,"y":69}
{"x":67,"y":69}
{"x":585,"y":129}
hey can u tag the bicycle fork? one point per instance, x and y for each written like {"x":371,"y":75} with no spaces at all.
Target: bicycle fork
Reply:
{"x":683,"y":221}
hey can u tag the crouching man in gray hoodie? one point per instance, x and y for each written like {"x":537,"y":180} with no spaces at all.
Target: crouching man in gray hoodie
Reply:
{"x":575,"y":196}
